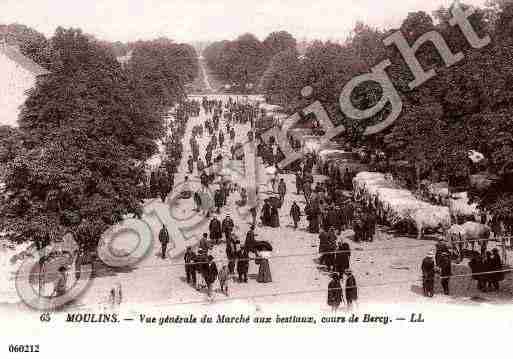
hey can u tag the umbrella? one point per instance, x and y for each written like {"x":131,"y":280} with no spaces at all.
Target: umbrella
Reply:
{"x":262,"y":246}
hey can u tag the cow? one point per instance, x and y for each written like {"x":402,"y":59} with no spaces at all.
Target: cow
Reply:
{"x":468,"y":232}
{"x":461,"y":210}
{"x":432,"y":217}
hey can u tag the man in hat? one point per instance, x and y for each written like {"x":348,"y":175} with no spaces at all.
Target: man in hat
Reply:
{"x":440,"y":247}
{"x":203,"y":243}
{"x":227,"y":227}
{"x":221,"y":138}
{"x":299,"y":182}
{"x":351,"y":289}
{"x":231,"y":252}
{"x":428,"y":274}
{"x":323,"y":247}
{"x":445,"y":271}
{"x":201,"y":265}
{"x":218,"y":199}
{"x":215,"y":230}
{"x":211,"y":275}
{"x":250,"y":238}
{"x":342,"y":258}
{"x":282,"y":190}
{"x":190,"y":269}
{"x":164,"y":240}
{"x":295,"y":213}
{"x":332,"y":248}
{"x":190,"y":164}
{"x":243,"y":264}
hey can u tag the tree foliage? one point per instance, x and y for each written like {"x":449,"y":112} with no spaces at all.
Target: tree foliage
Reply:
{"x":85,"y":131}
{"x":465,"y":107}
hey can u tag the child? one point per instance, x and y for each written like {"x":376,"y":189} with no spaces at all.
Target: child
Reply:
{"x":223,"y":279}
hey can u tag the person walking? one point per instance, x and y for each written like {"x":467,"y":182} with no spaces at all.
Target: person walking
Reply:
{"x":274,"y":179}
{"x":201,"y":266}
{"x":266,"y":213}
{"x":323,"y":247}
{"x":164,"y":185}
{"x":200,"y":165}
{"x":164,"y":240}
{"x":295,"y":214}
{"x":264,"y":270}
{"x":221,"y":139}
{"x":243,"y":264}
{"x":331,"y":249}
{"x":211,"y":276}
{"x":215,"y":230}
{"x":250,"y":238}
{"x":197,"y":201}
{"x":231,"y":253}
{"x":203,"y":243}
{"x":342,"y":258}
{"x":282,"y":190}
{"x":335,"y":296}
{"x":351,"y":289}
{"x":190,"y":267}
{"x":227,"y":227}
{"x":190,"y":164}
{"x":253,"y":211}
{"x":224,"y":278}
{"x":307,"y":190}
{"x":218,"y":200}
{"x":299,"y":182}
{"x":275,"y":216}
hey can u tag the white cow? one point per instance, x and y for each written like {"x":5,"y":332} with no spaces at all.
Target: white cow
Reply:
{"x":432,"y":217}
{"x":460,"y":207}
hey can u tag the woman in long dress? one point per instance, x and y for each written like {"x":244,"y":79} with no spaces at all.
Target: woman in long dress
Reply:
{"x":264,"y":270}
{"x":275,"y":216}
{"x":335,"y":296}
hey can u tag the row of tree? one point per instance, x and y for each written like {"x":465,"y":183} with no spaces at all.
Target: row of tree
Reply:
{"x":467,"y":106}
{"x":244,"y":60}
{"x":77,"y":158}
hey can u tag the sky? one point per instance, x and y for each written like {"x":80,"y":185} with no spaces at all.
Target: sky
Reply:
{"x":209,"y":20}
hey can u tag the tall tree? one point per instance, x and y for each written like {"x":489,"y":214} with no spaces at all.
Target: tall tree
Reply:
{"x":87,"y":127}
{"x":279,"y":41}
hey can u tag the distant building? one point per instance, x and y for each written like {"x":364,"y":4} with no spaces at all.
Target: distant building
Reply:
{"x":18,"y":74}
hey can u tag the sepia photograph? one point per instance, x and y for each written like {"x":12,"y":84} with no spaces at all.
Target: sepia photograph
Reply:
{"x":286,"y":165}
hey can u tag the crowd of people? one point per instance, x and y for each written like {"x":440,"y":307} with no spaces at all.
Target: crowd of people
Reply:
{"x":330,"y":208}
{"x":486,"y":268}
{"x":201,"y":269}
{"x":161,"y":179}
